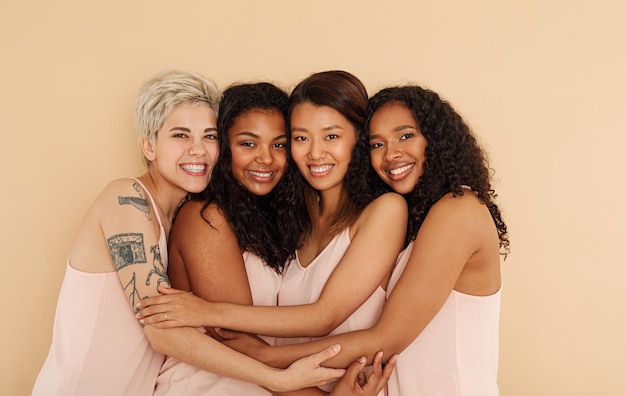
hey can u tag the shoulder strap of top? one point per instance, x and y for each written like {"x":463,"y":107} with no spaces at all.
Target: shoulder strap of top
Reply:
{"x":156,"y":210}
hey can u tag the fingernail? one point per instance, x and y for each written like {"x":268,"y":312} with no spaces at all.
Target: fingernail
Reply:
{"x":336,"y":348}
{"x":362,"y":359}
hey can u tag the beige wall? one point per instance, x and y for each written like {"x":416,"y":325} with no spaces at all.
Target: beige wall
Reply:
{"x":543,"y":83}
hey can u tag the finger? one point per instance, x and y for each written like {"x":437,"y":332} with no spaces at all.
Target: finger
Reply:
{"x":159,"y":323}
{"x":170,"y":290}
{"x":326,"y":354}
{"x":354,"y":370}
{"x":391,"y":364}
{"x":152,"y":301}
{"x":374,"y":380}
{"x":153,"y":310}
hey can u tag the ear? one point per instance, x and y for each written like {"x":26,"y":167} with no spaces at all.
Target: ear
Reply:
{"x":148,"y":149}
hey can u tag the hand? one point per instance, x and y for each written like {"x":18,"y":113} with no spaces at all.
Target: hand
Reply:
{"x":174,"y":308}
{"x":353,"y":382}
{"x":307,"y":372}
{"x":245,"y":343}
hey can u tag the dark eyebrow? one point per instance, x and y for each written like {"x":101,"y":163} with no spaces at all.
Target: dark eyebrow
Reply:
{"x":331,"y":127}
{"x":254,"y":135}
{"x":399,"y":128}
{"x":325,"y":129}
{"x":248,"y":133}
{"x":280,"y":137}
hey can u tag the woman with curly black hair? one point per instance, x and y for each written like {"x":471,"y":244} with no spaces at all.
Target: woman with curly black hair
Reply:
{"x":443,"y":304}
{"x":447,"y":283}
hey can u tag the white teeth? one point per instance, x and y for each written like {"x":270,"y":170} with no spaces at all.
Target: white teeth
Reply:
{"x":194,"y":168}
{"x":260,"y":174}
{"x":320,"y":169}
{"x":402,"y":169}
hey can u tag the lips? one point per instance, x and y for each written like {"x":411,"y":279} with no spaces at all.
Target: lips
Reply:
{"x":321,"y":168}
{"x":402,"y":169}
{"x":399,"y":172}
{"x":261,"y":174}
{"x":195,"y":169}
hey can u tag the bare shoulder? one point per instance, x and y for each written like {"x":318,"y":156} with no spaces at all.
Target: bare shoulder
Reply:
{"x":121,"y":192}
{"x":198,"y":221}
{"x":386,"y":211}
{"x":387,"y":203}
{"x":465,"y":211}
{"x":467,"y":203}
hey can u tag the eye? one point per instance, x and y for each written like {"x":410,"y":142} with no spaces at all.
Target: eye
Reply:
{"x":211,"y":136}
{"x":179,"y":135}
{"x":407,"y":135}
{"x":376,"y":145}
{"x":279,"y":145}
{"x":332,"y":136}
{"x":247,"y":144}
{"x":300,"y":138}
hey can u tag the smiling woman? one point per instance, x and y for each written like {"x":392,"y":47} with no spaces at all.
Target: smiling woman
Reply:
{"x":259,"y":156}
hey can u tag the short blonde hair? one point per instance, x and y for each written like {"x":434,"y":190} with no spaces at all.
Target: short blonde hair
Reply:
{"x":160,"y":94}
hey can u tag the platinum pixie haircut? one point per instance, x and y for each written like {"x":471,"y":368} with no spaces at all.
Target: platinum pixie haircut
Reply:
{"x":166,"y":90}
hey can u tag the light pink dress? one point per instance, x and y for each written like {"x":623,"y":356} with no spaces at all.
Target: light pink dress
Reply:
{"x":98,"y":346}
{"x":179,"y":378}
{"x":456,"y":354}
{"x":303,"y":285}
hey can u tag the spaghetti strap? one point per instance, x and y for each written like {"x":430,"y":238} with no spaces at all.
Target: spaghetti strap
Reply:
{"x":156,"y":210}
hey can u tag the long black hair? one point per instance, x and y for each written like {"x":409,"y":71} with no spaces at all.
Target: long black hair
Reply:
{"x":264,"y":225}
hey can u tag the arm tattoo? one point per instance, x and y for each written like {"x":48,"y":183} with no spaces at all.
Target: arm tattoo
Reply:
{"x":137,"y":202}
{"x":133,"y":294}
{"x":127,"y":249}
{"x":157,"y":267}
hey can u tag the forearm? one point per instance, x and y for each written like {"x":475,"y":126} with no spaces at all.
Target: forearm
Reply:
{"x":283,"y":321}
{"x":353,"y":345}
{"x":203,"y":352}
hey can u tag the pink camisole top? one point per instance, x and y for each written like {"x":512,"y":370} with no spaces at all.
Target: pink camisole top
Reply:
{"x":456,"y":354}
{"x":98,"y":346}
{"x":179,"y":378}
{"x":304,"y":285}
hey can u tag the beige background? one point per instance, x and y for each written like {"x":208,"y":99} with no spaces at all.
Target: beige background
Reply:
{"x":543,"y":83}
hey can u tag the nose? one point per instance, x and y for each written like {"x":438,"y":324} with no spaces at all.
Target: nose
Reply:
{"x":317,"y":150}
{"x":196,"y":147}
{"x":392,"y":152}
{"x":265,"y":156}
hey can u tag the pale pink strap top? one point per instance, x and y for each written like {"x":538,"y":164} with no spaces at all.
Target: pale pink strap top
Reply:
{"x":98,"y":347}
{"x":457,"y":353}
{"x":179,"y":378}
{"x":304,"y":285}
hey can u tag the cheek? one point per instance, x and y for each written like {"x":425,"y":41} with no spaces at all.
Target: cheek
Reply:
{"x":281,"y":161}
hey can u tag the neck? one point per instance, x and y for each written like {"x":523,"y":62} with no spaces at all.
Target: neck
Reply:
{"x":166,"y":197}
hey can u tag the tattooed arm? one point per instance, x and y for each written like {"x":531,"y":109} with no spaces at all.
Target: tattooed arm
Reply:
{"x":120,"y":233}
